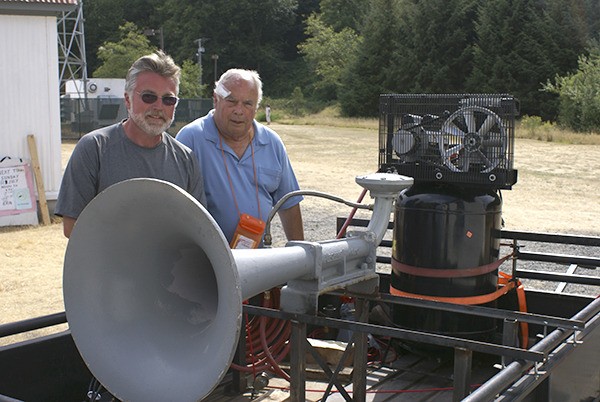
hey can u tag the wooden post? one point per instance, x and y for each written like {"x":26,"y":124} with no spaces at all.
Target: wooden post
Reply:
{"x":39,"y":181}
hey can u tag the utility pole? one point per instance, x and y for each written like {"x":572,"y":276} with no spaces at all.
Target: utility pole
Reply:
{"x":154,"y":32}
{"x":199,"y":54}
{"x":215,"y":57}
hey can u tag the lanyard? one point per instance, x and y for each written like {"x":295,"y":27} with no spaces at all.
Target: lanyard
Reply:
{"x":231,"y":183}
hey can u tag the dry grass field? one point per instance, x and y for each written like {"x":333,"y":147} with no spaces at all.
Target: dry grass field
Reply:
{"x":558,"y":190}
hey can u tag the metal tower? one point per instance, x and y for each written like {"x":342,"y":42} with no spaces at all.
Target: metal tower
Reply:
{"x":71,"y":47}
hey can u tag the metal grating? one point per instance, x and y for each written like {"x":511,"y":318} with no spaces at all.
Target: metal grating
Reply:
{"x":454,"y":138}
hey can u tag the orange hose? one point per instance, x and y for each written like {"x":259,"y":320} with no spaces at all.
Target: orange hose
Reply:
{"x":267,"y":340}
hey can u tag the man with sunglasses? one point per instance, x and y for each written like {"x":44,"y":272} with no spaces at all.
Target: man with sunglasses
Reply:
{"x":139,"y":146}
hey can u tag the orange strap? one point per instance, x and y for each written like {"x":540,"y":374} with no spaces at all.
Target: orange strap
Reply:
{"x":522,"y":306}
{"x":456,"y":273}
{"x":507,"y":285}
{"x":397,"y":266}
{"x":468,"y":300}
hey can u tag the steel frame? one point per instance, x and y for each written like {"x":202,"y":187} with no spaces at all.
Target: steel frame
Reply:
{"x":523,"y":371}
{"x":463,"y":348}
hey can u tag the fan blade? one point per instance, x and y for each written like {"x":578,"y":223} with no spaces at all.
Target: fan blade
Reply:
{"x":495,"y":141}
{"x":488,"y":163}
{"x":487,"y":125}
{"x":454,"y":130}
{"x":465,"y":161}
{"x":452,"y":151}
{"x":470,"y":120}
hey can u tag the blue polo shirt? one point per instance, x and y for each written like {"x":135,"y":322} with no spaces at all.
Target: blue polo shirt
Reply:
{"x":273,"y":170}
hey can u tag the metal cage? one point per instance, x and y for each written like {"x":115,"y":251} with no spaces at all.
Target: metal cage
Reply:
{"x":452,"y":138}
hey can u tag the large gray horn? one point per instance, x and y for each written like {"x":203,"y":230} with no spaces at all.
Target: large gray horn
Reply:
{"x":150,"y":288}
{"x":153,"y":293}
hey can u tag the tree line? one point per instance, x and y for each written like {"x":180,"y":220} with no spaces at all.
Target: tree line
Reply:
{"x":351,"y":51}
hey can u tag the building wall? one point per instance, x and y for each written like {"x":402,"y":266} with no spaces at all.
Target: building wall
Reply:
{"x":30,"y":93}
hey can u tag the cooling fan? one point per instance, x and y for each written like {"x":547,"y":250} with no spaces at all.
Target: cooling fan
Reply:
{"x":465,"y":139}
{"x":473,"y":138}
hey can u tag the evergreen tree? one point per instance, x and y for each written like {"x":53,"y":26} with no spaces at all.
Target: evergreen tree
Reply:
{"x":568,"y":33}
{"x":406,"y":46}
{"x":511,"y":54}
{"x":243,"y":33}
{"x":592,"y":14}
{"x":369,"y":74}
{"x":340,"y":14}
{"x":102,"y":21}
{"x":433,"y":51}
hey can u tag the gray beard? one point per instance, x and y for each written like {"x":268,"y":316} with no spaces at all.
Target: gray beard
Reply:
{"x":150,"y":129}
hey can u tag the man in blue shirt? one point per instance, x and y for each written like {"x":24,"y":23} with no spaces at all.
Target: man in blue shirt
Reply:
{"x":245,"y":164}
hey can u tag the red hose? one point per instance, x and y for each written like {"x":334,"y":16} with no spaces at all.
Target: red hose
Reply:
{"x":342,"y":231}
{"x":267,"y":340}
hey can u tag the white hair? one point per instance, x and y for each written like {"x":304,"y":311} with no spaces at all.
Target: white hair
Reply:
{"x":238,"y":73}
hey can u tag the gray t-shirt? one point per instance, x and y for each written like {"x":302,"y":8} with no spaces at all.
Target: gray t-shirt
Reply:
{"x":106,"y":156}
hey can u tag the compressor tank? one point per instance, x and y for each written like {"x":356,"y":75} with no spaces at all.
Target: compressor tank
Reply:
{"x":446,"y":245}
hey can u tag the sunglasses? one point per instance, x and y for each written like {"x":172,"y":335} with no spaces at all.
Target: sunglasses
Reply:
{"x":150,"y":98}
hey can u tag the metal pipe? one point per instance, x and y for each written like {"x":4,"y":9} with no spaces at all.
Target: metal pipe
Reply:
{"x":558,"y":258}
{"x":295,"y":261}
{"x":531,"y":318}
{"x":404,"y":334}
{"x":513,"y":371}
{"x":551,"y":276}
{"x":550,"y":238}
{"x":31,"y":324}
{"x":526,"y":384}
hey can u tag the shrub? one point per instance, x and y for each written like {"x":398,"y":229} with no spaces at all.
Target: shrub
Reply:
{"x":579,"y":95}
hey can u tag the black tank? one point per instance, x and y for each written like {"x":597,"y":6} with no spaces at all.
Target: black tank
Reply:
{"x":442,"y":235}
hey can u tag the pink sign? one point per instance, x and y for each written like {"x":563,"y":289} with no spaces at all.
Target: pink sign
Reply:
{"x":16,"y":189}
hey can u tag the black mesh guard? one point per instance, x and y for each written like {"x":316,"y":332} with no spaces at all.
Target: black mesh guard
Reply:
{"x":466,"y":139}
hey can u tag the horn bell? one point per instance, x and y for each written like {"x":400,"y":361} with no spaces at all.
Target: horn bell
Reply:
{"x":152,"y":293}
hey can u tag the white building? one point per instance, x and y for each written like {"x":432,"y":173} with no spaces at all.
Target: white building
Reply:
{"x":96,"y":88}
{"x":29,"y":78}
